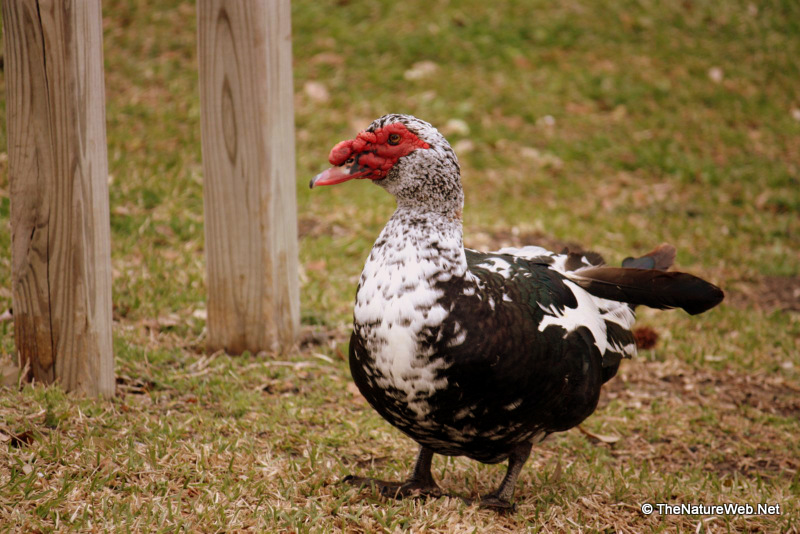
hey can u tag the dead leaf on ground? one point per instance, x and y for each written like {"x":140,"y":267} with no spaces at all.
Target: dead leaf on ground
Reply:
{"x":645,"y":337}
{"x":25,"y":438}
{"x":599,"y":437}
{"x":557,"y":472}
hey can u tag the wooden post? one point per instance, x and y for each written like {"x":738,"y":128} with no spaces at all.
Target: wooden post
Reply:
{"x":247,"y":118}
{"x":58,"y":173}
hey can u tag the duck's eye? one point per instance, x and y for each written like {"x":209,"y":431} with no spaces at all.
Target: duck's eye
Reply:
{"x":350,"y":160}
{"x":394,"y":139}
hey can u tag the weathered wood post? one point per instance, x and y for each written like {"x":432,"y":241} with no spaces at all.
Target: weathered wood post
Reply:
{"x":246,"y":96}
{"x":58,"y":174}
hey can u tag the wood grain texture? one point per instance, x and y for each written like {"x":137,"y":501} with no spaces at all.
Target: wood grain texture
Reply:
{"x":58,"y":173}
{"x":246,"y":95}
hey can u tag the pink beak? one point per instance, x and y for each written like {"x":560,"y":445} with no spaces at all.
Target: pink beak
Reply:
{"x":337,"y":175}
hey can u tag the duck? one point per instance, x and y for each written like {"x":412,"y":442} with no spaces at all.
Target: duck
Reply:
{"x":482,"y":354}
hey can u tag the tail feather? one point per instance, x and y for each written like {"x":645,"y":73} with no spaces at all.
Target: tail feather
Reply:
{"x":660,"y":258}
{"x":650,"y":287}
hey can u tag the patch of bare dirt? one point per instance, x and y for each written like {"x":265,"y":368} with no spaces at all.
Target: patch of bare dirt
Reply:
{"x":767,"y":293}
{"x":725,"y":389}
{"x":676,"y":400}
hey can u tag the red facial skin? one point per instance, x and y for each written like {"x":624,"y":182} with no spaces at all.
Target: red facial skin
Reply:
{"x":369,"y":155}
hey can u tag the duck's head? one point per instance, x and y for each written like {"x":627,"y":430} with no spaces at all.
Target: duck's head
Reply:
{"x":406,"y":156}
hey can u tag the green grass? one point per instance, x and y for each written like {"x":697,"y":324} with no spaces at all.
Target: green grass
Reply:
{"x":614,"y":125}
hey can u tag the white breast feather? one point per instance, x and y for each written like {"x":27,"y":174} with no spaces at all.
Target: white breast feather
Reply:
{"x":396,"y":293}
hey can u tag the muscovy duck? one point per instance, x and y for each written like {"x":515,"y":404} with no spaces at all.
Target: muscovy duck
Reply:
{"x":482,"y":354}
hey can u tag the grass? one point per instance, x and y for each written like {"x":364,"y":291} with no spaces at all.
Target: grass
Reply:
{"x":613,"y":125}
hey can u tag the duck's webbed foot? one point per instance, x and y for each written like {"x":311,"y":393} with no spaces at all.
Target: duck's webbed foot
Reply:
{"x":420,"y":484}
{"x":500,"y":499}
{"x":493,"y":502}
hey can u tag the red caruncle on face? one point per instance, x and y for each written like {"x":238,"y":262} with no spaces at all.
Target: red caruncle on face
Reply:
{"x":375,"y":153}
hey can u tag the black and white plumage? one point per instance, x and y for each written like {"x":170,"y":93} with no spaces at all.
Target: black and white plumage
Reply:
{"x":482,"y":354}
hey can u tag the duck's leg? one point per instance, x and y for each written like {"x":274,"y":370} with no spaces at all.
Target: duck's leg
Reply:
{"x":421,"y":480}
{"x":420,"y":483}
{"x":500,"y":499}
